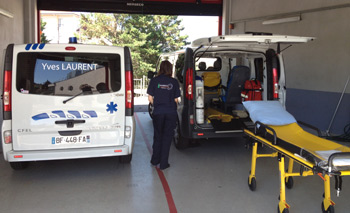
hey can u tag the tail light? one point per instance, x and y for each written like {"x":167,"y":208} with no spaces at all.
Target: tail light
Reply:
{"x":129,"y":88}
{"x":128,"y":131}
{"x":275,"y":83}
{"x":189,"y":84}
{"x":7,"y":91}
{"x":7,"y":137}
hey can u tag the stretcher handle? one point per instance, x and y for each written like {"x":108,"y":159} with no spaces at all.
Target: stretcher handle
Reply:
{"x":258,"y":129}
{"x":335,"y":155}
{"x":319,"y":133}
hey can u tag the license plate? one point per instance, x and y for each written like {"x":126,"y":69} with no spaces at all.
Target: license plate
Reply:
{"x":71,"y":139}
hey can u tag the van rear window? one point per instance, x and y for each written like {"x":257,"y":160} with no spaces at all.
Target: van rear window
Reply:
{"x":67,"y":74}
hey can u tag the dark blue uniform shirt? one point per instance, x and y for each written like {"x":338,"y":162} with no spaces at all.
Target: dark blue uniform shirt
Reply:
{"x":164,"y":90}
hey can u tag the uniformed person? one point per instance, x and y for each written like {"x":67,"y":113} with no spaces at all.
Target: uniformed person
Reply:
{"x":163,"y":92}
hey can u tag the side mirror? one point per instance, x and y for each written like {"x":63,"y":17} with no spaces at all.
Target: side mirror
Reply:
{"x":150,"y":74}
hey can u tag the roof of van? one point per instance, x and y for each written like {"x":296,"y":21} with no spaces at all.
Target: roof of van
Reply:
{"x":226,"y":40}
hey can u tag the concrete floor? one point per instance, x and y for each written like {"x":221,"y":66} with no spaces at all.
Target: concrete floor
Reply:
{"x":205,"y":179}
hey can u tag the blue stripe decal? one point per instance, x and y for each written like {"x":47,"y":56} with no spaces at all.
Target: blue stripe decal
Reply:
{"x":91,"y":113}
{"x":41,"y":46}
{"x":35,"y":46}
{"x":75,"y":113}
{"x":28,"y":46}
{"x":40,"y":116}
{"x":59,"y":113}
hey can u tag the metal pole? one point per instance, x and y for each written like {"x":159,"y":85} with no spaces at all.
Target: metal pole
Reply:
{"x":336,"y":110}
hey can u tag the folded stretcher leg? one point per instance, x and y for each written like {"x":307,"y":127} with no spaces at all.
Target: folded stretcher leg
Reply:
{"x":283,"y":207}
{"x":327,"y":203}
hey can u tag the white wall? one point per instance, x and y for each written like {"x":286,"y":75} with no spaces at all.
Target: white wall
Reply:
{"x":60,"y":33}
{"x":321,"y":65}
{"x":319,"y":68}
{"x":12,"y":29}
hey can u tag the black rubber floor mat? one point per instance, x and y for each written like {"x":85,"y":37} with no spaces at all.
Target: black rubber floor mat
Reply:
{"x":218,"y":125}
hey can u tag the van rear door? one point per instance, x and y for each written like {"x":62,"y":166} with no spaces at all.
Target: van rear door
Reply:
{"x":67,"y":97}
{"x":229,"y":40}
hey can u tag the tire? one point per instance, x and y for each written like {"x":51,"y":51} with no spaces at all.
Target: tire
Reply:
{"x":252,"y":185}
{"x":125,"y":158}
{"x":179,"y":141}
{"x":19,"y":165}
{"x":150,"y":110}
{"x":289,"y":183}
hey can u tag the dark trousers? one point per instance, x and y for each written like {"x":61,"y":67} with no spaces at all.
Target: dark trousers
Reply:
{"x":164,"y":126}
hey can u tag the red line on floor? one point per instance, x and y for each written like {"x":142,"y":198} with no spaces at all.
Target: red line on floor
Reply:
{"x":167,"y":191}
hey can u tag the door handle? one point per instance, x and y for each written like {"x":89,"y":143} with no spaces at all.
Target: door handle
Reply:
{"x":70,"y":122}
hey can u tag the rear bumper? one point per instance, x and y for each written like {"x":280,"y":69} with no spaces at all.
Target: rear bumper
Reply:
{"x":217,"y":134}
{"x":17,"y":156}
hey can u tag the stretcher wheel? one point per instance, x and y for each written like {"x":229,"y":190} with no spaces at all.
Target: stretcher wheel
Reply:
{"x":252,"y":185}
{"x":289,"y":182}
{"x":329,"y":210}
{"x":284,"y":210}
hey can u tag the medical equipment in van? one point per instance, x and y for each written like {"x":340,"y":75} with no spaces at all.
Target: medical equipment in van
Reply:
{"x":199,"y":101}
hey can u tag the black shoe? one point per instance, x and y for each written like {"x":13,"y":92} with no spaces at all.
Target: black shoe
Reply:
{"x":162,"y":168}
{"x":154,"y":164}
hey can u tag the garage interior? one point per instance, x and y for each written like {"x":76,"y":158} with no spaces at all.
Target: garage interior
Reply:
{"x":213,"y":176}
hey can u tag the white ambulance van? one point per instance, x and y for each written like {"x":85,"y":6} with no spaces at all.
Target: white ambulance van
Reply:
{"x":67,"y":101}
{"x":217,"y":73}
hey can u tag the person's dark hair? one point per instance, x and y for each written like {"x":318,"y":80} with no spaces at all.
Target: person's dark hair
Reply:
{"x":166,"y":68}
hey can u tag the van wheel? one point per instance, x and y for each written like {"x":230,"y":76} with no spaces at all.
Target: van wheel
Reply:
{"x":19,"y":165}
{"x":150,"y":110}
{"x":179,"y":141}
{"x":125,"y":158}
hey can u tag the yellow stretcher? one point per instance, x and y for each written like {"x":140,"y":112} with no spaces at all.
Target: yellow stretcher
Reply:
{"x":315,"y":155}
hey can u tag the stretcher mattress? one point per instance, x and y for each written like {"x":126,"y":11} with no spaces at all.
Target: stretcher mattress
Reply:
{"x":311,"y":144}
{"x":293,"y":138}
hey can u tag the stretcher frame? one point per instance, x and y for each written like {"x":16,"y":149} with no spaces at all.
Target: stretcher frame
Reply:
{"x":286,"y":180}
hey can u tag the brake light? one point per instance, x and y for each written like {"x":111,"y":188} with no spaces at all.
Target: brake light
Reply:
{"x":70,"y":48}
{"x":189,"y":84}
{"x":7,"y":91}
{"x":191,"y":120}
{"x":275,"y":83}
{"x":129,"y":88}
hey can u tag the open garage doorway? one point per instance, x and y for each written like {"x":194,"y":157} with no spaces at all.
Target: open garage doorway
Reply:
{"x":148,"y":27}
{"x":148,"y":36}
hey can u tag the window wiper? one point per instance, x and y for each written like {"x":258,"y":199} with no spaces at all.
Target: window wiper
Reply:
{"x":85,"y":88}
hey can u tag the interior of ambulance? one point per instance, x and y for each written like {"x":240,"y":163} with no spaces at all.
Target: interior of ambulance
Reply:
{"x":223,"y":79}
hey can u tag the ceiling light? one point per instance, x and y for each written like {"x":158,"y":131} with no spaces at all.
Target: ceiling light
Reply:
{"x":6,"y":13}
{"x":282,"y":20}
